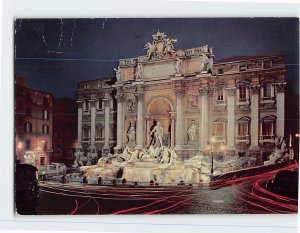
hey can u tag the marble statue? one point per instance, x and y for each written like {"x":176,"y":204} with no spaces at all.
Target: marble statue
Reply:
{"x":80,"y":159}
{"x":169,"y":45}
{"x":91,"y":157}
{"x":192,"y":130}
{"x":131,"y":135}
{"x":118,"y":73}
{"x":138,"y":72}
{"x":158,"y":134}
{"x":178,"y":66}
{"x":130,"y":106}
{"x":150,"y":49}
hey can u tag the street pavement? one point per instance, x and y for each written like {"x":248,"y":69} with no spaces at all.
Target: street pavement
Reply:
{"x":243,"y":195}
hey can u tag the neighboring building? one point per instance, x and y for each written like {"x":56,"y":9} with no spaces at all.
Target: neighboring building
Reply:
{"x":64,"y":130}
{"x":96,"y":115}
{"x":33,"y":124}
{"x":239,"y":102}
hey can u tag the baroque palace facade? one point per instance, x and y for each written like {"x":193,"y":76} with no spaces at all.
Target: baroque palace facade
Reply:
{"x":235,"y":106}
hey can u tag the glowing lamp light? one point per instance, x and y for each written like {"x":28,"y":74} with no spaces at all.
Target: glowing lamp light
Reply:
{"x":20,"y":145}
{"x":297,"y":135}
{"x":213,"y":139}
{"x":223,"y":147}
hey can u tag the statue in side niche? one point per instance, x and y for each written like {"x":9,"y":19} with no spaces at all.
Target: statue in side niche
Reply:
{"x":192,"y":130}
{"x":138,"y":72}
{"x":131,"y":135}
{"x":178,"y":66}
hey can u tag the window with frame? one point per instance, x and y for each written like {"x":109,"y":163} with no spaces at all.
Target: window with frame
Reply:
{"x":220,"y":95}
{"x":45,"y":114}
{"x":267,"y":90}
{"x":99,"y":131}
{"x":86,"y":131}
{"x":100,"y":104}
{"x":27,"y":127}
{"x":45,"y":129}
{"x":219,"y":129}
{"x":242,"y":93}
{"x":243,"y":129}
{"x":267,"y":127}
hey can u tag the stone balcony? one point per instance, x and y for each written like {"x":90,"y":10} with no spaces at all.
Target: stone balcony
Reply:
{"x":267,"y":139}
{"x":267,"y":100}
{"x":243,"y":139}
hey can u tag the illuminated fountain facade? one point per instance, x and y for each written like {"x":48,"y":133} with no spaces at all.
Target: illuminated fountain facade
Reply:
{"x":231,"y":109}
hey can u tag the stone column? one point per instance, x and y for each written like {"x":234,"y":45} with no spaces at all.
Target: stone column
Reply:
{"x":231,"y":118}
{"x":172,"y":117}
{"x":179,"y":120}
{"x":79,"y":123}
{"x":93,"y":123}
{"x":139,"y":120}
{"x":280,"y":89}
{"x":147,"y":118}
{"x":204,"y":117}
{"x":106,"y":124}
{"x":254,"y":117}
{"x":120,"y":122}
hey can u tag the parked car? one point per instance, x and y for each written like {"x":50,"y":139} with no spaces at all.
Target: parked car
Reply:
{"x":26,"y":188}
{"x":53,"y":169}
{"x":285,"y":183}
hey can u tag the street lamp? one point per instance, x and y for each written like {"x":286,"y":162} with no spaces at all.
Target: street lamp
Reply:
{"x":212,"y":140}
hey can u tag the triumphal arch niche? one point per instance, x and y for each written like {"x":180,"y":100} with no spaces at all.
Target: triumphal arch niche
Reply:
{"x":163,"y":87}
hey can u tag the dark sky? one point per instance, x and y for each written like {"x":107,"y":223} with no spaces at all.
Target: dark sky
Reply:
{"x":55,"y":54}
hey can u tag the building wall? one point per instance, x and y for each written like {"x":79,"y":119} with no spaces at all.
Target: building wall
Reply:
{"x":33,"y":124}
{"x":64,"y":130}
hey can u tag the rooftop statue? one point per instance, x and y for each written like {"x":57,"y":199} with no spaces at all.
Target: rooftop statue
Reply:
{"x":160,"y":47}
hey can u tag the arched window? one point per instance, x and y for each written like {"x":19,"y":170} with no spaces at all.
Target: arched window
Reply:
{"x":45,"y":114}
{"x":86,"y":131}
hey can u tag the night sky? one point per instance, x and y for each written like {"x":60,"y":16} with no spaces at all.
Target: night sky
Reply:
{"x":56,"y":54}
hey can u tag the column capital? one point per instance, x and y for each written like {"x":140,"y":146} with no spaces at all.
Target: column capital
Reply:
{"x":179,"y":92}
{"x":231,"y":91}
{"x":280,"y":87}
{"x":206,"y":90}
{"x":255,"y":89}
{"x":139,"y":96}
{"x":79,"y":103}
{"x":120,"y":97}
{"x":93,"y":102}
